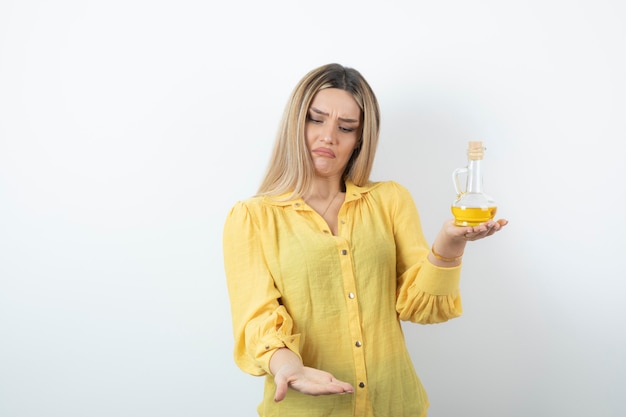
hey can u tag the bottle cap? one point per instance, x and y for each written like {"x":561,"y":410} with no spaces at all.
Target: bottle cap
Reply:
{"x":475,"y":150}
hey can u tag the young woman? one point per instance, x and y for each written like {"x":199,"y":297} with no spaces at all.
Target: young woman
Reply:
{"x":323,"y":264}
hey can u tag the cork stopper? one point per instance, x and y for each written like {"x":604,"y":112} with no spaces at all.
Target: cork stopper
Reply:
{"x":475,"y":150}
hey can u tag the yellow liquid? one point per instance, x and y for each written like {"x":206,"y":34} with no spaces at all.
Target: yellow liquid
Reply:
{"x":472,"y":216}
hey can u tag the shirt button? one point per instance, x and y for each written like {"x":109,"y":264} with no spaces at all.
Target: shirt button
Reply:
{"x":326,"y":231}
{"x":344,"y":252}
{"x":297,"y":204}
{"x":358,"y":344}
{"x":343,"y":222}
{"x":351,"y":295}
{"x":362,"y":384}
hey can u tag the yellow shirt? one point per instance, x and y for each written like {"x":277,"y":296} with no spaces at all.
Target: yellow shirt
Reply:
{"x":336,"y":301}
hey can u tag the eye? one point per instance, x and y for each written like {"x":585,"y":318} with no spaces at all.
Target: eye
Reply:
{"x":311,"y":119}
{"x":346,"y":129}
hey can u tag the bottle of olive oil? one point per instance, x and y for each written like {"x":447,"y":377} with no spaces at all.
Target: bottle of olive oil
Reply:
{"x":472,"y":206}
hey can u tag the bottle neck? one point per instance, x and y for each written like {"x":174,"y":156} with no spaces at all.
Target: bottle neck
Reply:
{"x":474,"y":176}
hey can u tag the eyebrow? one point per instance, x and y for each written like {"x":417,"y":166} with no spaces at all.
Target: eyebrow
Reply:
{"x":343,"y":119}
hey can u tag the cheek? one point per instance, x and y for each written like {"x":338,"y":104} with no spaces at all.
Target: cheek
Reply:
{"x":349,"y":150}
{"x":309,"y":135}
{"x":354,"y":142}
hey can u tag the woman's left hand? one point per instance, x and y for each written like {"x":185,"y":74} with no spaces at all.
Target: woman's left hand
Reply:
{"x":449,"y":244}
{"x":470,"y":233}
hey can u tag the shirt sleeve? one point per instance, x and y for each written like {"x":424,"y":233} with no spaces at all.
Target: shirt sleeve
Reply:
{"x":426,"y":293}
{"x":261,"y":325}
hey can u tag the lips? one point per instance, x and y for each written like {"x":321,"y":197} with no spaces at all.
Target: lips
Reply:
{"x":324,"y":152}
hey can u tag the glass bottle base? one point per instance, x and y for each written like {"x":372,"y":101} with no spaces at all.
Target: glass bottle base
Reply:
{"x":472,"y":216}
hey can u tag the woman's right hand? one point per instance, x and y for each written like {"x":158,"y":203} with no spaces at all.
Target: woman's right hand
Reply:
{"x":290,"y":372}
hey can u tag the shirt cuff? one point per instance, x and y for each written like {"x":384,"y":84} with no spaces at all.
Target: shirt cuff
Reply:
{"x":438,"y":280}
{"x":270,"y":344}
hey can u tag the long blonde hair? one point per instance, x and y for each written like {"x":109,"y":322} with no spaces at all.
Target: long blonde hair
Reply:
{"x":290,"y":167}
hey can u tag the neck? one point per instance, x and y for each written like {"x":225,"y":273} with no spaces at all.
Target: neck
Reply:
{"x":325,"y":199}
{"x":323,"y":189}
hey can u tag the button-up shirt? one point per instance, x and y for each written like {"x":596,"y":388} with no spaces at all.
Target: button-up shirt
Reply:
{"x":335,"y":300}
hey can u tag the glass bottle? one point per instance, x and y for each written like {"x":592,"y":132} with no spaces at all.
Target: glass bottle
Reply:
{"x":472,"y":206}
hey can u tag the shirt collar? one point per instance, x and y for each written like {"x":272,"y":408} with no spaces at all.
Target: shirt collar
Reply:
{"x":353,"y":192}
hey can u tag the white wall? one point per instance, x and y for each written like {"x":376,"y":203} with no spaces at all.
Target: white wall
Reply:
{"x":129,"y":128}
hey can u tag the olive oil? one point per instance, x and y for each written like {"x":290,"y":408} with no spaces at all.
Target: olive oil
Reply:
{"x":472,"y":216}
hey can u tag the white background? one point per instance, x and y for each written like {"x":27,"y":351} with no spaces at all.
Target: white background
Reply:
{"x":129,"y":128}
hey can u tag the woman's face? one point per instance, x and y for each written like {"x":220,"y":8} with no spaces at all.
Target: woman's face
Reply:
{"x":332,"y":130}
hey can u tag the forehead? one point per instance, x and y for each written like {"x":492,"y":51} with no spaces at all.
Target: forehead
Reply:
{"x":336,"y":101}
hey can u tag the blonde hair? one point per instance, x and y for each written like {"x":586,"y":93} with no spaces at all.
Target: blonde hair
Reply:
{"x":290,"y":167}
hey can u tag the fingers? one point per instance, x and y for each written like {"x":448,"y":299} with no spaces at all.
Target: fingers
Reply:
{"x":497,"y":226}
{"x":333,"y":387}
{"x":281,"y":388}
{"x":484,"y":229}
{"x":346,"y":388}
{"x":340,"y":387}
{"x":311,"y":382}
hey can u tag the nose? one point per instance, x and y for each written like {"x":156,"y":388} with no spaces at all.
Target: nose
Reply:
{"x":327,"y":133}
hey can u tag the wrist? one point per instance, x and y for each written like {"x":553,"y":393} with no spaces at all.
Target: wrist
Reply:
{"x":445,"y":257}
{"x":283,"y":357}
